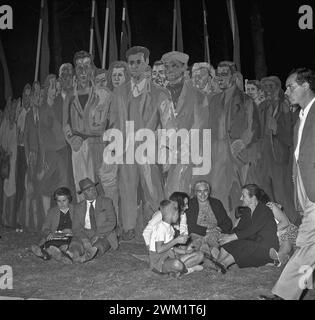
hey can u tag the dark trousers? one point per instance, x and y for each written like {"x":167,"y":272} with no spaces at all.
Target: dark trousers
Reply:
{"x":102,"y":244}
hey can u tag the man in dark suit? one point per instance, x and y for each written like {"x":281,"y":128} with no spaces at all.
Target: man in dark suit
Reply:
{"x":94,"y":224}
{"x":297,"y":275}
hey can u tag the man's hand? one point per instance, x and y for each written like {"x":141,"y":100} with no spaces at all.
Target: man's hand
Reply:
{"x":67,"y":130}
{"x":236,"y":147}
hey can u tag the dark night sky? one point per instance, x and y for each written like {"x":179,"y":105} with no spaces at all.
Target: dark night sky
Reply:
{"x":286,"y":46}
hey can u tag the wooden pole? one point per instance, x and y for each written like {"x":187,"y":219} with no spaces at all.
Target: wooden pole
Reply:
{"x":105,"y":36}
{"x":92,"y":27}
{"x":39,"y":39}
{"x":174,"y":27}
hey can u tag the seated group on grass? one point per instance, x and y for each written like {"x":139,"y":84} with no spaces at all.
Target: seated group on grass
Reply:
{"x":185,"y":235}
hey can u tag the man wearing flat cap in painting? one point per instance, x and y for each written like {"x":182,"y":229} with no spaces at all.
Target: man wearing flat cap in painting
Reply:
{"x":185,"y":109}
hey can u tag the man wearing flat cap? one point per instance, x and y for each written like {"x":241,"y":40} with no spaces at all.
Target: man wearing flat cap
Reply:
{"x":186,"y":109}
{"x":94,"y":224}
{"x":137,"y":100}
{"x":276,"y":146}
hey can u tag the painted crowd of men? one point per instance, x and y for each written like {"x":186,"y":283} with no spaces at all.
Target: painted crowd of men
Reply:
{"x":54,"y":136}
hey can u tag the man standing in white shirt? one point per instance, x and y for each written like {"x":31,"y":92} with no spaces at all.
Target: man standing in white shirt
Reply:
{"x":297,"y":275}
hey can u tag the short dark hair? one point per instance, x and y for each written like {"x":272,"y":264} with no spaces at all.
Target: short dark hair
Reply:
{"x":63,"y":191}
{"x":138,"y":49}
{"x":254,"y":190}
{"x":165,"y":203}
{"x":304,"y":75}
{"x":179,"y":198}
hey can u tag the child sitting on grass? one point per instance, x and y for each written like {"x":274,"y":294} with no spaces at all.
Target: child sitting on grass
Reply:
{"x":165,"y":257}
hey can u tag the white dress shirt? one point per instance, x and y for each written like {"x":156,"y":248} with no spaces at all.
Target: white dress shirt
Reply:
{"x":137,"y":88}
{"x":87,"y":224}
{"x":303,"y":115}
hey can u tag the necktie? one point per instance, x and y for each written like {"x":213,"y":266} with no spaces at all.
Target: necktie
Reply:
{"x":92,"y":216}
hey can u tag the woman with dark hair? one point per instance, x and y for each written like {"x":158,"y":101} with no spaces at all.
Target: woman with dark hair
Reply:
{"x":206,"y":218}
{"x":251,"y":241}
{"x":57,"y":229}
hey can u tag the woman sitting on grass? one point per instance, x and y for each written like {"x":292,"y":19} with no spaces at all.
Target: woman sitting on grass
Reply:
{"x":57,"y":229}
{"x":252,"y":240}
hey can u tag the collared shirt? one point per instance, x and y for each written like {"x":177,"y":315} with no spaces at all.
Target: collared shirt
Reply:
{"x":137,"y":88}
{"x":87,"y":224}
{"x":64,"y":220}
{"x":162,"y":231}
{"x":303,"y":115}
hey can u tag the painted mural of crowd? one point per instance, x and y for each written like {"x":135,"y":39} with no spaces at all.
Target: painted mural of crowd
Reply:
{"x":52,"y":151}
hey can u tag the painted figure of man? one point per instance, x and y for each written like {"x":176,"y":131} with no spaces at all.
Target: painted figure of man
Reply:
{"x":185,"y":109}
{"x":235,"y":126}
{"x":137,"y":101}
{"x":158,"y":74}
{"x":277,"y":140}
{"x":203,"y":78}
{"x":82,"y":131}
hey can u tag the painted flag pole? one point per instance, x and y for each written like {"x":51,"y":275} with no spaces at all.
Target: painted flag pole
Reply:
{"x":179,"y":31}
{"x":98,"y":35}
{"x":174,"y":27}
{"x":123,"y":20}
{"x":92,"y":27}
{"x":7,"y":80}
{"x":105,"y":35}
{"x":206,"y":35}
{"x":39,"y":39}
{"x":125,"y":35}
{"x":235,"y":33}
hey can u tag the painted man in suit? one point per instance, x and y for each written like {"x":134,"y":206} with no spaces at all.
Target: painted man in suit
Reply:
{"x":94,"y":224}
{"x":137,"y":101}
{"x":234,"y":127}
{"x":297,"y":274}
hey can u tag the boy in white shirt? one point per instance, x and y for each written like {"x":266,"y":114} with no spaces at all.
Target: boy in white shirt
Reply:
{"x":164,"y":256}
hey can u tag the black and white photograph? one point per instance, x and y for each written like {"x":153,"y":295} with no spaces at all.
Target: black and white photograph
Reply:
{"x":157,"y":150}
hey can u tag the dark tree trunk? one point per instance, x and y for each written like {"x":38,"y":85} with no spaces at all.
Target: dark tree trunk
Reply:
{"x":258,"y":39}
{"x":56,"y":40}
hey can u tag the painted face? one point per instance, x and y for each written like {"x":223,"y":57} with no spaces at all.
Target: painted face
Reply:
{"x":66,"y":77}
{"x":202,"y":192}
{"x":252,"y":91}
{"x":200,"y":78}
{"x":84,"y":71}
{"x":185,"y":204}
{"x":137,"y":64}
{"x":174,"y":70}
{"x":26,"y":98}
{"x":158,"y":75}
{"x":36,"y":94}
{"x":100,"y":81}
{"x":62,"y":202}
{"x":224,"y":76}
{"x":245,"y":198}
{"x":118,"y":77}
{"x":51,"y":94}
{"x":90,"y":193}
{"x":270,"y":89}
{"x":294,"y":92}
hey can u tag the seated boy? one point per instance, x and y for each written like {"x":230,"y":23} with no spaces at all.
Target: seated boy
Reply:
{"x":164,"y":256}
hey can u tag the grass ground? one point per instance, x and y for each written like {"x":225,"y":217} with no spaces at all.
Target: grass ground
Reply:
{"x":118,"y":275}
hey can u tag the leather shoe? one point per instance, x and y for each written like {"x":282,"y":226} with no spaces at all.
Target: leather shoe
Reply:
{"x":128,"y":235}
{"x":274,"y":297}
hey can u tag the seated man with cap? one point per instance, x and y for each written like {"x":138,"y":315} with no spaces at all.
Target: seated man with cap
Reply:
{"x":186,"y":109}
{"x":94,"y":224}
